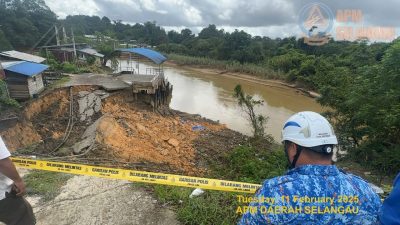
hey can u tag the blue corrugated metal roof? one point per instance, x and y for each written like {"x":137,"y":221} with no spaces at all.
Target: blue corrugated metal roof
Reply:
{"x":156,"y":57}
{"x":26,"y":68}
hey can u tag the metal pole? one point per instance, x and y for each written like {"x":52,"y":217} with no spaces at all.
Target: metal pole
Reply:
{"x":73,"y":41}
{"x":57,"y":36}
{"x":129,"y":63}
{"x":64,"y":35}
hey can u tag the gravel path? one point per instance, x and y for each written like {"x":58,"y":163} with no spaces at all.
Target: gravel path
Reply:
{"x":89,"y":200}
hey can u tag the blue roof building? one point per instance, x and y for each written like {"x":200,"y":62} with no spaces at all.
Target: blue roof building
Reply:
{"x":131,"y":58}
{"x":24,"y":79}
{"x":154,"y":56}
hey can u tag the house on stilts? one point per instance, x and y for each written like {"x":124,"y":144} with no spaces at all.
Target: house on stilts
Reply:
{"x":142,"y":68}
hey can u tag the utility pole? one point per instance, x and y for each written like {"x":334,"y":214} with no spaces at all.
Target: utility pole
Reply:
{"x":64,"y":35}
{"x":3,"y":76}
{"x":73,"y":41}
{"x":57,"y":36}
{"x":2,"y":73}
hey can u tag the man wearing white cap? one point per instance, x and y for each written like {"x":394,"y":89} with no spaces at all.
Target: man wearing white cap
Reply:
{"x":313,"y":191}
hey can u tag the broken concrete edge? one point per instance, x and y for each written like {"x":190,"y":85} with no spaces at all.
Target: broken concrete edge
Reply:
{"x":89,"y":103}
{"x":88,"y":138}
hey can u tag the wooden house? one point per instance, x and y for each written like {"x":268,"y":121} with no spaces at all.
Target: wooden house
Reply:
{"x":65,"y":52}
{"x":85,"y":53}
{"x":24,"y":79}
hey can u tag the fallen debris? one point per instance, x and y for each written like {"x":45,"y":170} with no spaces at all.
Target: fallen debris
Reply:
{"x":125,"y":132}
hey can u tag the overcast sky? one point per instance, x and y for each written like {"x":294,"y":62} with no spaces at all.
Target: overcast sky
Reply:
{"x":273,"y":18}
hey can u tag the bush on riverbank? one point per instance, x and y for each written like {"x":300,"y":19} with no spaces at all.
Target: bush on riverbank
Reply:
{"x":229,"y":66}
{"x":366,"y":109}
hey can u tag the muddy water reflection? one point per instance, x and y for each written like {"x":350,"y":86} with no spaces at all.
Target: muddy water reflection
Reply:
{"x":211,"y":96}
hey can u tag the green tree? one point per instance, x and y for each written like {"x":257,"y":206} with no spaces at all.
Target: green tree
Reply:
{"x":4,"y":43}
{"x":108,"y":51}
{"x":248,"y":103}
{"x":288,"y":61}
{"x":211,"y":32}
{"x":24,"y":22}
{"x":366,"y":109}
{"x":90,"y":60}
{"x":174,"y":37}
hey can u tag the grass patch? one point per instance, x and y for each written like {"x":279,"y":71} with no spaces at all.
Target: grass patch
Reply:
{"x":59,"y":83}
{"x":244,"y":163}
{"x":212,"y":207}
{"x":384,"y":182}
{"x":46,"y":184}
{"x":28,"y":149}
{"x":368,"y":174}
{"x":251,"y":164}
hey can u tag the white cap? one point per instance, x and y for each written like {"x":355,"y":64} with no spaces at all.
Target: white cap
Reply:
{"x":308,"y":129}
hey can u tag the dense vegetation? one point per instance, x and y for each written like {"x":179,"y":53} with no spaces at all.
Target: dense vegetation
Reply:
{"x":5,"y":100}
{"x":23,"y":22}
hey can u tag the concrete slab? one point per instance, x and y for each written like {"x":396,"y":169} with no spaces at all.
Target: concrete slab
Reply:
{"x":137,"y":77}
{"x":108,"y":82}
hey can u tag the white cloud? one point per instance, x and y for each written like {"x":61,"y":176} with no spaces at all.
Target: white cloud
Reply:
{"x":193,"y":15}
{"x":73,"y":7}
{"x":183,"y":11}
{"x":275,"y":18}
{"x":150,"y":5}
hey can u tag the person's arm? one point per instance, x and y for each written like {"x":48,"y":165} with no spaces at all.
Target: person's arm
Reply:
{"x":8,"y":169}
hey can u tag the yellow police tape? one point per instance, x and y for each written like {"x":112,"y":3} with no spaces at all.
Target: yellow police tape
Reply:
{"x":137,"y":176}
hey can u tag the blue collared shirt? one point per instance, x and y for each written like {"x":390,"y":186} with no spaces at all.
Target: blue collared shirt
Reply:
{"x":315,"y":194}
{"x":390,"y":211}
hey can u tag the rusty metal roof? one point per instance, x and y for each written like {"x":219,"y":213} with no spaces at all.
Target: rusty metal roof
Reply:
{"x":22,"y":56}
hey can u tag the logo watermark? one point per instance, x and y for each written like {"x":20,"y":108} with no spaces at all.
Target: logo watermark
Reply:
{"x":317,"y":21}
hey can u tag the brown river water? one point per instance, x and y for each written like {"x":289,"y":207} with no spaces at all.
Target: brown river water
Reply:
{"x":211,"y":96}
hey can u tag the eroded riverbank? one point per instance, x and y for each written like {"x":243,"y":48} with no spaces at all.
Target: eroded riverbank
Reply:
{"x":114,"y":129}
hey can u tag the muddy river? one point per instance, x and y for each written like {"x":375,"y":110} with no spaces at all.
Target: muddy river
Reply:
{"x":211,"y":96}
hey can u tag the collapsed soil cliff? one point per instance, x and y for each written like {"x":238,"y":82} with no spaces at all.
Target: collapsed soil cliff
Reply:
{"x":133,"y":133}
{"x":42,"y":122}
{"x":121,"y":130}
{"x":26,"y":132}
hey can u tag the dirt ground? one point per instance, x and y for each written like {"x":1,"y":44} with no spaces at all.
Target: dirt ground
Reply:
{"x":126,"y":133}
{"x":87,"y":200}
{"x":41,"y":122}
